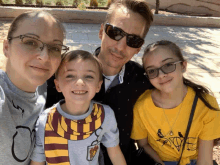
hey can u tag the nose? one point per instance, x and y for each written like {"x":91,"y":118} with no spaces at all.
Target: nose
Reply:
{"x":79,"y":82}
{"x":43,"y":53}
{"x":161,"y":73}
{"x":121,"y":44}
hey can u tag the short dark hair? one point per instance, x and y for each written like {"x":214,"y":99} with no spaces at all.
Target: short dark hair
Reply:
{"x":80,"y":54}
{"x":26,"y":15}
{"x":137,"y":6}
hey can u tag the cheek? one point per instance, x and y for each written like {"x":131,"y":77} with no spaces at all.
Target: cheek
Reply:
{"x":55,"y":64}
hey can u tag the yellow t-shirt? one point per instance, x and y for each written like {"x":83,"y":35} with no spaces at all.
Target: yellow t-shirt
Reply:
{"x":150,"y":122}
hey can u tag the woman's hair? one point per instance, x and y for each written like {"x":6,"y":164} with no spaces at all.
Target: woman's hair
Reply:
{"x":200,"y":90}
{"x":80,"y":54}
{"x":136,"y":6}
{"x":15,"y":23}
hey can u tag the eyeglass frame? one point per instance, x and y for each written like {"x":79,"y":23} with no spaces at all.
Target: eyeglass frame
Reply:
{"x":44,"y":44}
{"x":124,"y":34}
{"x":158,"y":69}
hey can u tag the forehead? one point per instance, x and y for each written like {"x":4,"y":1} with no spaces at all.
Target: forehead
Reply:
{"x":42,"y":25}
{"x":129,"y":21}
{"x":159,"y":53}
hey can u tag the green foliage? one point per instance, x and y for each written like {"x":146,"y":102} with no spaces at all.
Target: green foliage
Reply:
{"x":93,"y":3}
{"x":39,"y":2}
{"x":82,"y":6}
{"x":59,"y":3}
{"x":102,"y":3}
{"x":29,"y":2}
{"x":18,"y":2}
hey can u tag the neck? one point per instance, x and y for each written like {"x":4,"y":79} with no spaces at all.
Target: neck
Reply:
{"x":172,"y":99}
{"x":19,"y":82}
{"x":74,"y":108}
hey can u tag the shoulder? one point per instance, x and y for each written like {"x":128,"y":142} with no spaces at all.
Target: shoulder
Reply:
{"x":107,"y":109}
{"x":146,"y":95}
{"x":132,"y":65}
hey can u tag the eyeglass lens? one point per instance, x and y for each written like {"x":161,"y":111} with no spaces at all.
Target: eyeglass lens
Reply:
{"x":117,"y":34}
{"x":35,"y":45}
{"x":167,"y":68}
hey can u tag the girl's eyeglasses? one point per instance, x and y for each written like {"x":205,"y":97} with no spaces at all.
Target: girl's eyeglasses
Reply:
{"x":34,"y":45}
{"x":117,"y":34}
{"x":166,"y":68}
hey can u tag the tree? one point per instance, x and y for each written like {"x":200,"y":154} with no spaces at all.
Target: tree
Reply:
{"x":18,"y":2}
{"x":39,"y":2}
{"x":157,"y":6}
{"x":93,"y":3}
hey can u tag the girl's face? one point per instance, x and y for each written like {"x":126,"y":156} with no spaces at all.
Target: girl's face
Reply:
{"x":162,"y":56}
{"x":26,"y":68}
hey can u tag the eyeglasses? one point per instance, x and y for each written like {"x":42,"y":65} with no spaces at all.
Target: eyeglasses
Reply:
{"x":34,"y":45}
{"x":117,"y":34}
{"x":166,"y":68}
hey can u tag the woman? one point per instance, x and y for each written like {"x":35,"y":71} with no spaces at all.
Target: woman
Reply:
{"x":33,"y":50}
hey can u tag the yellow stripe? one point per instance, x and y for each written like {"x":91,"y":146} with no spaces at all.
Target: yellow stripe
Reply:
{"x":86,"y":127}
{"x":64,"y":163}
{"x":98,"y":123}
{"x":56,"y":153}
{"x":55,"y":140}
{"x":85,"y":136}
{"x":60,"y":131}
{"x":47,"y":127}
{"x":63,"y":123}
{"x":88,"y":119}
{"x":74,"y":126}
{"x":95,"y":109}
{"x":73,"y":137}
{"x":99,"y":113}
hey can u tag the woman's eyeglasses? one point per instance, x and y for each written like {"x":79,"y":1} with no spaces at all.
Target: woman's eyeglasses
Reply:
{"x":34,"y":45}
{"x":166,"y":68}
{"x":117,"y":34}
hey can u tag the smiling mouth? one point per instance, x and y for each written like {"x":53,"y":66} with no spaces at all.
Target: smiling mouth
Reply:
{"x":165,"y":82}
{"x":79,"y":92}
{"x":39,"y":68}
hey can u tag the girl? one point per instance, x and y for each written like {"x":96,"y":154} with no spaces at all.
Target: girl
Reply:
{"x":161,"y":115}
{"x":33,"y":50}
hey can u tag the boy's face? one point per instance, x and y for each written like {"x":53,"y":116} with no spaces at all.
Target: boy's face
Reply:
{"x":79,"y":81}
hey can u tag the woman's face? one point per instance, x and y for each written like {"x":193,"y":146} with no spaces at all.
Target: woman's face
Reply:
{"x":161,"y":56}
{"x":26,"y":68}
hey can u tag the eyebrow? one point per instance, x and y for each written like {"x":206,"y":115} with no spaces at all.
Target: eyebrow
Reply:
{"x":72,"y":70}
{"x":162,"y":62}
{"x":39,"y":37}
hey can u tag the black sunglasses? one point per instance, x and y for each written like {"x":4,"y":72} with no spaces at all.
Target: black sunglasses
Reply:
{"x":116,"y":34}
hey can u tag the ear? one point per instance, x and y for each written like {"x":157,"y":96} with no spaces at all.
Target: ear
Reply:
{"x":6,"y":48}
{"x":99,"y":86}
{"x":101,"y":31}
{"x":184,"y":66}
{"x":56,"y":82}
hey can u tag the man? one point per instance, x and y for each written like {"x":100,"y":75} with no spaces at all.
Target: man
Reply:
{"x":122,"y":35}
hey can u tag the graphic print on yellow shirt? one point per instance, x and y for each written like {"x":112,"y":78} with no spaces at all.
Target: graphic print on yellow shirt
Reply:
{"x":59,"y":130}
{"x":150,"y":122}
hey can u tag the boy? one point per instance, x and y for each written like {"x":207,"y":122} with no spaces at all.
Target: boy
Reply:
{"x":70,"y":132}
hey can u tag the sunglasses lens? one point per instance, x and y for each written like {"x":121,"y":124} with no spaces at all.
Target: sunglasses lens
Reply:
{"x":134,"y":41}
{"x":117,"y":34}
{"x":113,"y":32}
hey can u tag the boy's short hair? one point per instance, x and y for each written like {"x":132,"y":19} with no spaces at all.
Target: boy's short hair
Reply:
{"x":80,"y":54}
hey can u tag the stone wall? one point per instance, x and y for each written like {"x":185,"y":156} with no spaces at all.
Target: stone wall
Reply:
{"x":193,"y":7}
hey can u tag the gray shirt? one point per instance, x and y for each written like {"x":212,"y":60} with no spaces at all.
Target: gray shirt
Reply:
{"x":79,"y":149}
{"x":19,"y":111}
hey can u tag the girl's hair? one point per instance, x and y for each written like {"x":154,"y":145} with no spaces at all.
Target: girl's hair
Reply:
{"x":15,"y":23}
{"x":200,"y":90}
{"x":80,"y":54}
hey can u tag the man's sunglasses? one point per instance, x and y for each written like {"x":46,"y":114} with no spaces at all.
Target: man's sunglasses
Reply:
{"x":117,"y":34}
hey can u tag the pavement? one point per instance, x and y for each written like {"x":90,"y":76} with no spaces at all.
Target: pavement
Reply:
{"x":200,"y":46}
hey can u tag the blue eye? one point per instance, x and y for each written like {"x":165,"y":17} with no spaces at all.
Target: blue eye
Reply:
{"x":70,"y":76}
{"x":89,"y":77}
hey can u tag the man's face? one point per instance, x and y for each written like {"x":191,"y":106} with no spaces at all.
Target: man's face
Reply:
{"x":115,"y":54}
